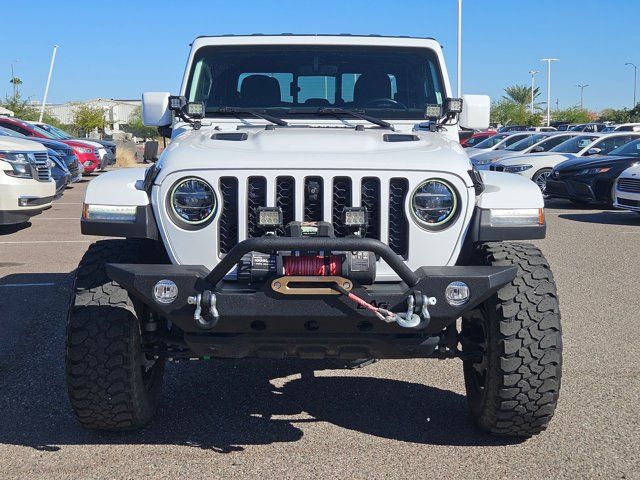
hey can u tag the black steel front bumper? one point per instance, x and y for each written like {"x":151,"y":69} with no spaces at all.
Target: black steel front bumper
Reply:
{"x":260,"y":322}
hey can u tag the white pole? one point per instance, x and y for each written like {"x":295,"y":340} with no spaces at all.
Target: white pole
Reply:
{"x":548,"y":60}
{"x":533,"y":75}
{"x":459,"y":74}
{"x":46,"y":89}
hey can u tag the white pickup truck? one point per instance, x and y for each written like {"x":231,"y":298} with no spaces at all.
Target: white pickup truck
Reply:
{"x":26,"y":186}
{"x":314,"y":202}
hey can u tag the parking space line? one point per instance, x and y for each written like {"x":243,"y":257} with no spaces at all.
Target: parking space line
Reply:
{"x":54,"y":218}
{"x":44,"y":284}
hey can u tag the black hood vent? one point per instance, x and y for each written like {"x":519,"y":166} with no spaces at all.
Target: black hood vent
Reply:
{"x":400,"y":137}
{"x":230,"y":136}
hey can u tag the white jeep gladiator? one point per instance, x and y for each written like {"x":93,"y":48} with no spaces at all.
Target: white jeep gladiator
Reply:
{"x":314,"y":203}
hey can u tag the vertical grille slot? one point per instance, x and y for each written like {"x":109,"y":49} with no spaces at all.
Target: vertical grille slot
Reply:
{"x":341,"y":199}
{"x":256,"y":197}
{"x":228,"y":222}
{"x":41,"y":167}
{"x":313,"y":199}
{"x":398,"y":223}
{"x":370,"y":198}
{"x":285,"y":199}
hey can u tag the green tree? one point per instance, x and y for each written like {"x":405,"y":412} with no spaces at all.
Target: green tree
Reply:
{"x":139,"y":129}
{"x":572,"y":115}
{"x":86,"y":118}
{"x":508,"y":112}
{"x":521,"y":94}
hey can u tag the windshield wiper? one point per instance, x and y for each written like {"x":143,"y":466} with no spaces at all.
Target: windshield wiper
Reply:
{"x":250,"y":111}
{"x":337,"y":111}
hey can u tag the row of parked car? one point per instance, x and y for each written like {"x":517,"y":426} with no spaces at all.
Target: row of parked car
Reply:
{"x":38,"y":161}
{"x":581,"y":166}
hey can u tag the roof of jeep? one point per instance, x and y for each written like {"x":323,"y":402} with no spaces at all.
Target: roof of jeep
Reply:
{"x":317,"y":39}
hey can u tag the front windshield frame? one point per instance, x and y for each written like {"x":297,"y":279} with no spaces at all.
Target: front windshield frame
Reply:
{"x":338,"y":63}
{"x":526,"y":142}
{"x":562,"y":148}
{"x":634,"y":145}
{"x":491,"y":141}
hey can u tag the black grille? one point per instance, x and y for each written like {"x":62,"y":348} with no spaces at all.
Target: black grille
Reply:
{"x":629,"y":203}
{"x":398,"y":223}
{"x":313,"y":193}
{"x":228,"y":222}
{"x":370,"y":199}
{"x":286,"y":200}
{"x":41,"y":169}
{"x":341,"y":199}
{"x":256,"y":197}
{"x":629,"y":185}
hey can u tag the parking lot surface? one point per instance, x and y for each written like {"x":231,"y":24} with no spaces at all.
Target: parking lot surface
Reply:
{"x":393,"y":419}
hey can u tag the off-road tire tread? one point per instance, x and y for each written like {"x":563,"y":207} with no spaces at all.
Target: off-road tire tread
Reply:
{"x":525,"y":348}
{"x":104,"y":378}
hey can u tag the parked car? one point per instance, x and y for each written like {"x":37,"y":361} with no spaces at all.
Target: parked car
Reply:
{"x":497,"y":142}
{"x":513,"y":128}
{"x":538,"y":143}
{"x":585,"y":180}
{"x":589,"y":127}
{"x":59,"y":172}
{"x":538,"y":166}
{"x":477,"y":138}
{"x":26,"y":186}
{"x":62,"y":150}
{"x":87,"y":153}
{"x":623,"y":127}
{"x":107,"y":152}
{"x":627,"y":191}
{"x":542,"y":129}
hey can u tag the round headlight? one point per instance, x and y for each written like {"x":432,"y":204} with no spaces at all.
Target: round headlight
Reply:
{"x":434,"y":204}
{"x":192,"y":201}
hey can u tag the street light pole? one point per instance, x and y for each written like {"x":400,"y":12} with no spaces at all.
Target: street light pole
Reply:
{"x":46,"y":89}
{"x":459,"y":74}
{"x":635,"y":82}
{"x":549,"y":60}
{"x":582,"y":87}
{"x":533,"y":79}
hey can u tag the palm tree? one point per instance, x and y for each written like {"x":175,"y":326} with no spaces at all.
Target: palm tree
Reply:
{"x":521,"y":94}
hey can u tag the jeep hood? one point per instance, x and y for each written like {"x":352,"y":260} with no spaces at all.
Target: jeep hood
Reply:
{"x":312,"y":148}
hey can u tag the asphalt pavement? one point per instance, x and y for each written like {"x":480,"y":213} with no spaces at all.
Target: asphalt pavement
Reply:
{"x":263,"y":419}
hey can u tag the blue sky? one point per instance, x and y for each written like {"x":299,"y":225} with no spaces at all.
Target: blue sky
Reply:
{"x":118,"y":49}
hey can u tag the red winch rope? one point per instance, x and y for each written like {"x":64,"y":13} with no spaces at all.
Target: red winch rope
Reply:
{"x":317,"y":265}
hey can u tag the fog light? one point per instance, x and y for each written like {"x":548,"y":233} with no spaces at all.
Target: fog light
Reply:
{"x":269,"y":217}
{"x":165,"y":292}
{"x":110,"y":213}
{"x":354,"y":217}
{"x":457,"y":293}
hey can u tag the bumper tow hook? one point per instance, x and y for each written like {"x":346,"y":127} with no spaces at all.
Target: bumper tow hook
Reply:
{"x":205,"y":301}
{"x":417,"y":315}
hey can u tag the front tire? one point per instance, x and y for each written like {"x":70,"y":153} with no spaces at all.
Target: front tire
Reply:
{"x":512,"y":346}
{"x":112,"y":384}
{"x":540,"y":178}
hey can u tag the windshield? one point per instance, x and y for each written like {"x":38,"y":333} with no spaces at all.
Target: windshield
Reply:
{"x":57,"y":132}
{"x":379,"y":81}
{"x":575,"y":144}
{"x":525,"y":143}
{"x":10,"y":133}
{"x":631,"y":149}
{"x":492,"y":141}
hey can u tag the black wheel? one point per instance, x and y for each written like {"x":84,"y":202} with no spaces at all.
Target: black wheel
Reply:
{"x":540,"y":178}
{"x":512,"y":346}
{"x":112,"y":384}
